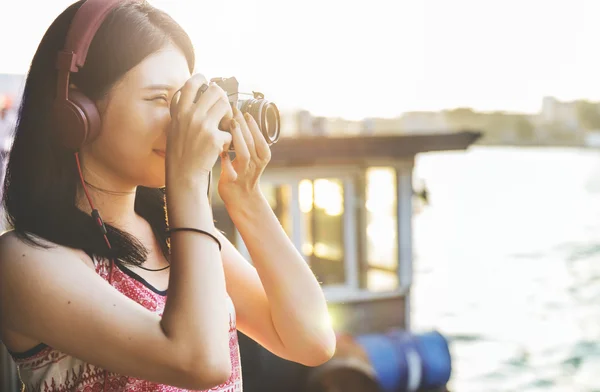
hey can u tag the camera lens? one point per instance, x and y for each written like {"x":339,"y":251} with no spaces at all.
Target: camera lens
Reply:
{"x":266,"y":115}
{"x":271,"y":122}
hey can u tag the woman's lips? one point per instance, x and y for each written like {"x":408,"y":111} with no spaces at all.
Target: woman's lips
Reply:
{"x":160,"y":153}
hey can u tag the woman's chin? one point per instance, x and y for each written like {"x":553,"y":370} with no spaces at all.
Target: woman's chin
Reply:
{"x":158,"y":182}
{"x":156,"y":185}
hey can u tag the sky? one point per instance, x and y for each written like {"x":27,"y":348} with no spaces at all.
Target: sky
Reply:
{"x":375,"y":58}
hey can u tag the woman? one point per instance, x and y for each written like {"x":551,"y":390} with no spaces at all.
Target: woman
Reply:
{"x":71,"y":318}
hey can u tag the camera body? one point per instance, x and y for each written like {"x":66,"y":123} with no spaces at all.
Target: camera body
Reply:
{"x":265,"y":113}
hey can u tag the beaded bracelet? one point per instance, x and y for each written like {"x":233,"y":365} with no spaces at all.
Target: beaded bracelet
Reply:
{"x":169,"y":231}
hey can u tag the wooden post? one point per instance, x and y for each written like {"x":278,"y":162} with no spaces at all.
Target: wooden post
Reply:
{"x":405,"y":211}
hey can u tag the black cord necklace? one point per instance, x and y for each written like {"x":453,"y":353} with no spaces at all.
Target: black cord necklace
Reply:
{"x":154,"y":270}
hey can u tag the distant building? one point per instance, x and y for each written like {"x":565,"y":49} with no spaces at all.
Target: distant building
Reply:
{"x":424,"y":122}
{"x":338,"y":126}
{"x":289,"y":123}
{"x":564,"y":113}
{"x":387,"y":126}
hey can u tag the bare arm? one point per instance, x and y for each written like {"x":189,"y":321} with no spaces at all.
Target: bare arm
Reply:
{"x":280,"y":302}
{"x":196,"y":311}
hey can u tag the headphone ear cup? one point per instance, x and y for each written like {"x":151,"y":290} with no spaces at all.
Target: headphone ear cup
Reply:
{"x":77,"y":120}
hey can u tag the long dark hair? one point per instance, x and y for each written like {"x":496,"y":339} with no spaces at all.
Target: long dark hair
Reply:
{"x":42,"y":182}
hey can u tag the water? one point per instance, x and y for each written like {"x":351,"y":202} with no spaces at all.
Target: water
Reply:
{"x":507,"y":265}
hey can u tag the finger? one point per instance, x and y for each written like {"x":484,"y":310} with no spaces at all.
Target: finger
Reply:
{"x":227,"y":167}
{"x":215,"y":114}
{"x":260,"y":143}
{"x":175,"y":103}
{"x":189,"y":91}
{"x":226,"y":140}
{"x":248,"y":139}
{"x":213,"y":95}
{"x":241,"y":149}
{"x":186,"y":95}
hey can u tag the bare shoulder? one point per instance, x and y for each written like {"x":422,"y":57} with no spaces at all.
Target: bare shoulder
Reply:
{"x":16,"y":253}
{"x":11,"y":244}
{"x":41,"y":264}
{"x":27,"y":268}
{"x":30,"y":274}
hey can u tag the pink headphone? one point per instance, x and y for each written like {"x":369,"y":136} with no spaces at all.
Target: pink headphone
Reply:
{"x":75,"y":116}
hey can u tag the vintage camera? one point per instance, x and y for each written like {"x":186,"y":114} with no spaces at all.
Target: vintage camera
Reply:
{"x":264,"y":112}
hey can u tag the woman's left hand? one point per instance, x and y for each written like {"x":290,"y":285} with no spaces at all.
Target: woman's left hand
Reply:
{"x":240,"y":178}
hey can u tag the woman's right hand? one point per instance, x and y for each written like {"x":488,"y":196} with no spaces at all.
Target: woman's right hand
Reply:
{"x":195,"y":141}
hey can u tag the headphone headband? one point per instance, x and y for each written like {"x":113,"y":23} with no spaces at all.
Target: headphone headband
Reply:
{"x":83,"y":28}
{"x":75,"y":116}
